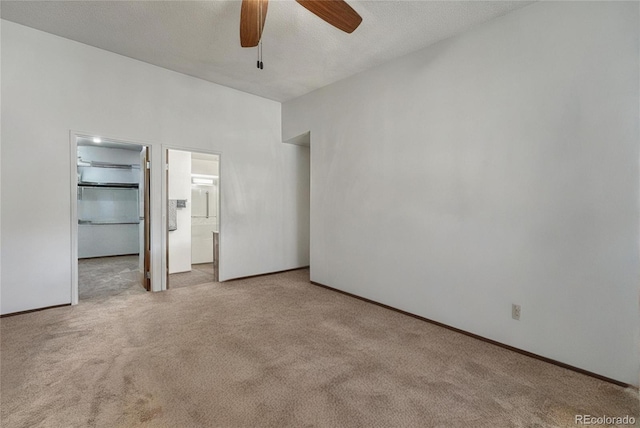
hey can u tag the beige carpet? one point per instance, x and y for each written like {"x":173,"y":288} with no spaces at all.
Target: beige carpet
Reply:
{"x":200,"y":274}
{"x":274,"y":351}
{"x":108,"y":277}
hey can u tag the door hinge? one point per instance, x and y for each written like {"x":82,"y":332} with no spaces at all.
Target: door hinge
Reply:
{"x":166,"y":166}
{"x":147,"y":275}
{"x":148,"y":165}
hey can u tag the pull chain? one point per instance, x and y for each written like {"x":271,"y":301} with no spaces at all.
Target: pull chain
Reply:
{"x":259,"y":63}
{"x":258,"y":58}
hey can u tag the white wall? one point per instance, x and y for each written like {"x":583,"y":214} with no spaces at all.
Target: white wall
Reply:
{"x":51,"y":85}
{"x":497,"y":167}
{"x":108,"y":205}
{"x":203,"y":226}
{"x":204,"y":166}
{"x":180,"y":188}
{"x":109,"y":155}
{"x":108,"y":240}
{"x":296,"y":204}
{"x":116,"y":155}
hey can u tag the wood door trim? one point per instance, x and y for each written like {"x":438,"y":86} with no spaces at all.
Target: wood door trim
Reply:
{"x":146,"y":275}
{"x":216,"y":256}
{"x":166,"y":226}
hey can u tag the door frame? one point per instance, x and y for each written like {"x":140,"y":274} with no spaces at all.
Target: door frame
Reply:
{"x":165,"y":202}
{"x":153,"y":188}
{"x":146,"y":240}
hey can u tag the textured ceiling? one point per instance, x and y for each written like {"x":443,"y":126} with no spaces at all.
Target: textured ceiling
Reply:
{"x":300,"y":52}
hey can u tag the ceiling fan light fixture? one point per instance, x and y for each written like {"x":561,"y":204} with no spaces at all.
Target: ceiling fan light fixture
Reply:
{"x":252,"y":17}
{"x":335,"y":12}
{"x":253,"y":13}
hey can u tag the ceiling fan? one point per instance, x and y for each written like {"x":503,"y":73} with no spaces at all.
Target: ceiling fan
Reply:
{"x":253,"y":13}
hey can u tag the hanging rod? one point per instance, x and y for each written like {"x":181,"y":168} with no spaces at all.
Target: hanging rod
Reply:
{"x":98,"y":164}
{"x":108,"y":185}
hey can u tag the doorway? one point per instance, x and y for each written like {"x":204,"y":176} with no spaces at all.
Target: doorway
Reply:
{"x":192,"y":218}
{"x":113,"y":217}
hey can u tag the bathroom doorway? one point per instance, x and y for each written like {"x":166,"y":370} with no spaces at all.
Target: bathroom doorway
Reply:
{"x":112,"y":213}
{"x":192,"y":218}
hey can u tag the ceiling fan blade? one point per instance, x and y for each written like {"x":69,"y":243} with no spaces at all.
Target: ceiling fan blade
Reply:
{"x":336,"y":12}
{"x":251,"y":21}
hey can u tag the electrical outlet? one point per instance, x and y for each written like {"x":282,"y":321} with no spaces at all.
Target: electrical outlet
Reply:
{"x":515,"y":311}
